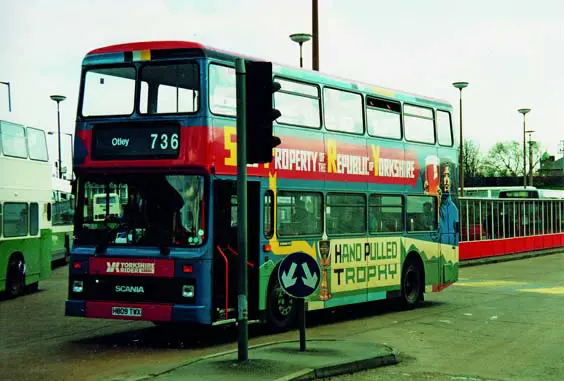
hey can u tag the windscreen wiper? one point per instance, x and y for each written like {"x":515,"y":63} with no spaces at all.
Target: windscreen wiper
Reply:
{"x":103,"y":246}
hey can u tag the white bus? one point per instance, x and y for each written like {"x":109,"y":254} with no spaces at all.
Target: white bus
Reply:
{"x":63,"y":219}
{"x":492,"y":192}
{"x":25,"y":208}
{"x":101,"y":201}
{"x":533,"y":193}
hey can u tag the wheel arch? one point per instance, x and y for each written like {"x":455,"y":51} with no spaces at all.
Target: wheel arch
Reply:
{"x":414,"y":256}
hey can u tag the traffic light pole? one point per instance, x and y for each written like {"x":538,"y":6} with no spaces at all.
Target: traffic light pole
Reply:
{"x":242,"y":321}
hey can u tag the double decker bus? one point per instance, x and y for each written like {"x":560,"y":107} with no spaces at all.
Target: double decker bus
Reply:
{"x":364,"y":181}
{"x":25,"y":209}
{"x":99,"y":206}
{"x":62,"y":219}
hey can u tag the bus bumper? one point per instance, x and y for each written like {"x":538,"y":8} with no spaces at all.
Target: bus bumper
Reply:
{"x":440,"y":287}
{"x":138,"y":311}
{"x":75,"y":308}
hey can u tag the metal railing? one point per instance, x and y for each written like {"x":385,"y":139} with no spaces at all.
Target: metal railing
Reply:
{"x":484,"y":219}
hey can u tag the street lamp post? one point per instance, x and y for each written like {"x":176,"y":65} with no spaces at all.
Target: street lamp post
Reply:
{"x":524,"y":111}
{"x":59,"y":99}
{"x":315,"y":32}
{"x":531,"y":165}
{"x":460,"y":86}
{"x":71,"y":142}
{"x":300,"y":38}
{"x":9,"y":95}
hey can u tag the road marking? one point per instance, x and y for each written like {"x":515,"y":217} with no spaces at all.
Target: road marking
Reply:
{"x":489,"y":283}
{"x":546,"y":290}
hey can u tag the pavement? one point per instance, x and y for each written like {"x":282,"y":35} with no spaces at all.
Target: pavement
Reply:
{"x":283,"y":361}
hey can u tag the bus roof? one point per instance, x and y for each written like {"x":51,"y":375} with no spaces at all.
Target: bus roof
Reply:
{"x":141,"y":47}
{"x":500,"y":188}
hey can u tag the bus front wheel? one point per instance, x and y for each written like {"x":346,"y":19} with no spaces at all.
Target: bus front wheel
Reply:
{"x":15,"y":280}
{"x":281,"y":308}
{"x":412,"y":284}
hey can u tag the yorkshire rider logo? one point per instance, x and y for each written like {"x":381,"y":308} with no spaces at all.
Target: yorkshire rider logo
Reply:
{"x":324,"y":249}
{"x":130,"y":267}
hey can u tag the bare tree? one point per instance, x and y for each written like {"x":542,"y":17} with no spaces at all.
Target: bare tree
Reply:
{"x":472,"y":159}
{"x":506,"y":159}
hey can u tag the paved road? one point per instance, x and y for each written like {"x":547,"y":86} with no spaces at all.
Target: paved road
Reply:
{"x":501,"y":321}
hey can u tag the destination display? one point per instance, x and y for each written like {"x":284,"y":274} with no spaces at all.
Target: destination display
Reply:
{"x":130,"y":141}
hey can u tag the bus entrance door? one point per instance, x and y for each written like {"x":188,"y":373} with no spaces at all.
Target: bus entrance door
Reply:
{"x":226,"y":256}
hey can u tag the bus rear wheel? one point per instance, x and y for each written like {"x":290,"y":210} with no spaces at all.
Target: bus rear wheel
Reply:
{"x":412,"y":284}
{"x":15,"y":280}
{"x":281,"y":308}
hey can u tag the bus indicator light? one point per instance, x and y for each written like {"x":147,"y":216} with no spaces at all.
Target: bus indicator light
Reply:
{"x":187,"y":269}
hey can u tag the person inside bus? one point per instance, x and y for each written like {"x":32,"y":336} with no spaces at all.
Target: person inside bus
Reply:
{"x":162,"y":202}
{"x":152,"y":235}
{"x":428,"y":218}
{"x":304,"y":220}
{"x":131,"y":211}
{"x":374,"y":222}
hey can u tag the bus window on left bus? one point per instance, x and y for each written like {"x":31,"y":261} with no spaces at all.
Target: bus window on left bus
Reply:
{"x":16,"y":219}
{"x":13,"y":140}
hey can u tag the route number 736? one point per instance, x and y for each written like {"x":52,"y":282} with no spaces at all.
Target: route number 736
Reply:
{"x":164,"y":141}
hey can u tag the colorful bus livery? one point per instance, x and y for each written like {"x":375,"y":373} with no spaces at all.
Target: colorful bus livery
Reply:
{"x":361,"y":181}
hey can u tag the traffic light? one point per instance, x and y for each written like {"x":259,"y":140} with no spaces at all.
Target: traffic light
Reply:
{"x":260,"y":114}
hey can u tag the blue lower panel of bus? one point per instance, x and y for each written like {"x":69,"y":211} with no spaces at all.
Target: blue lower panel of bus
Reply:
{"x":75,"y":308}
{"x":196,"y":314}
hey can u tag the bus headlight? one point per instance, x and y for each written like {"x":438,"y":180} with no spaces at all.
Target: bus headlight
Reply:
{"x":77,"y":286}
{"x":188,"y":291}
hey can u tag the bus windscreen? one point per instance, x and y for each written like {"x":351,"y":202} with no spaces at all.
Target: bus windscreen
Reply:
{"x":143,"y":210}
{"x":164,"y":89}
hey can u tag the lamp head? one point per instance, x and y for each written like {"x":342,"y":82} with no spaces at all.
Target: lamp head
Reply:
{"x":300,"y":38}
{"x":524,"y":110}
{"x":58,"y":98}
{"x":460,"y":85}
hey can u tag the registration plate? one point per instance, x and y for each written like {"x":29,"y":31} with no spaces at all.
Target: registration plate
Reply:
{"x":126,"y":311}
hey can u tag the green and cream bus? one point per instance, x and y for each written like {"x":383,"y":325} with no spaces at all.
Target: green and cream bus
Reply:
{"x":62,"y":220}
{"x":25,"y":208}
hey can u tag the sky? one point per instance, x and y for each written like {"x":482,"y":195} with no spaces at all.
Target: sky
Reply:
{"x":510,"y":51}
